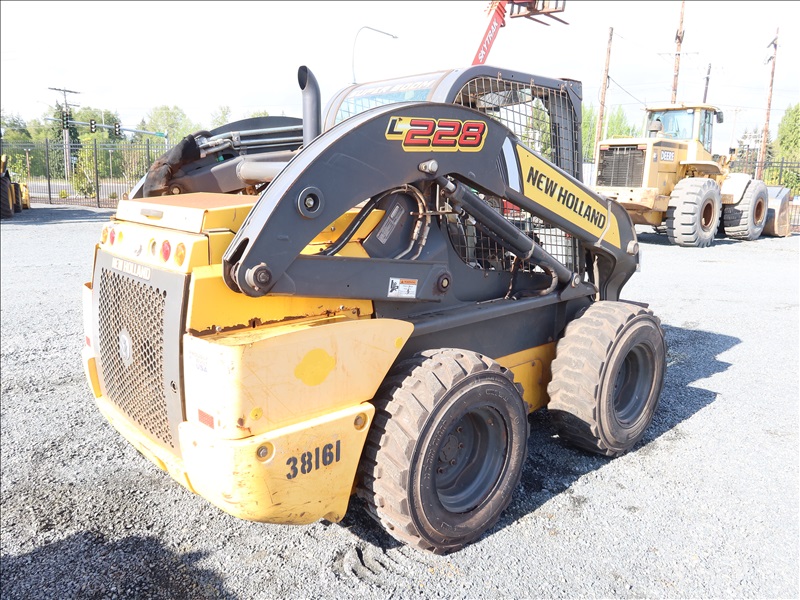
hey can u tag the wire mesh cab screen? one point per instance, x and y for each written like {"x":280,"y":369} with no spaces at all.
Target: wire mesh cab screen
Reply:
{"x":542,"y":118}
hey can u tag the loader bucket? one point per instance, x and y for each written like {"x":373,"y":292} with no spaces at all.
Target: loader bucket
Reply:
{"x":778,"y":224}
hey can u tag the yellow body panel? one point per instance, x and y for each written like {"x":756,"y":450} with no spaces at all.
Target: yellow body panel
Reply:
{"x":189,"y":212}
{"x":275,"y":477}
{"x":307,"y":473}
{"x":531,"y":369}
{"x":250,"y":381}
{"x":208,"y":293}
{"x":143,"y":244}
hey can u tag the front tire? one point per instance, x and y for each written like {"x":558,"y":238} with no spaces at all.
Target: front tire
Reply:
{"x":746,"y":220}
{"x":446,"y":449}
{"x":607,"y":377}
{"x":693,"y":213}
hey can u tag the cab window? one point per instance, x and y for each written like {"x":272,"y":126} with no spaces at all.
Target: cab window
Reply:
{"x":706,"y":126}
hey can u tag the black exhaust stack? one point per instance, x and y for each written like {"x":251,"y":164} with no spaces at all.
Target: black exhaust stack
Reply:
{"x":312,"y":109}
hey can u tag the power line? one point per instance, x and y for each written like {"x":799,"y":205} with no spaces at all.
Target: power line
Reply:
{"x":626,"y":91}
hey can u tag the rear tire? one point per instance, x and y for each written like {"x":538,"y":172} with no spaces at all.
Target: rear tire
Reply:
{"x":6,"y":204}
{"x":446,"y":449}
{"x":607,"y":377}
{"x":17,"y":197}
{"x":693,"y":213}
{"x":746,"y":220}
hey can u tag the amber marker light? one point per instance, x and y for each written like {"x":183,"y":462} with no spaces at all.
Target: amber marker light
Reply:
{"x":180,"y":254}
{"x":104,"y":235}
{"x":151,"y":247}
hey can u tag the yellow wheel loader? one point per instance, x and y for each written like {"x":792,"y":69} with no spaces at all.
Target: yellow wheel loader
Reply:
{"x":670,"y":179}
{"x":369,"y":302}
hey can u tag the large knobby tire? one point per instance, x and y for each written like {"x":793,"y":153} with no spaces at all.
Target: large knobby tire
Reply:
{"x":6,"y":204}
{"x":17,"y":197}
{"x":446,"y":449}
{"x":693,"y":213}
{"x":746,"y":220}
{"x":607,"y":377}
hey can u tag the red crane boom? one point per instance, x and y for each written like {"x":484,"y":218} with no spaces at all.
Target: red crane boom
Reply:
{"x":528,"y":10}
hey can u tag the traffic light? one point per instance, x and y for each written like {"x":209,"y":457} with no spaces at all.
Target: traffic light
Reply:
{"x":64,"y":119}
{"x":117,"y":130}
{"x":92,"y":125}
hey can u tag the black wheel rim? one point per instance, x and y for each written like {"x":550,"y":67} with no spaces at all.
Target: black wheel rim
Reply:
{"x":632,"y":384}
{"x":470,"y":460}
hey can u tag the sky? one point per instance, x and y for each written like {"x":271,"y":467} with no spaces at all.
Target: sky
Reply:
{"x":130,"y":57}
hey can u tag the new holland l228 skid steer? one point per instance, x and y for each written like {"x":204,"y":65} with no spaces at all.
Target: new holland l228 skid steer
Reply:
{"x":288,"y":313}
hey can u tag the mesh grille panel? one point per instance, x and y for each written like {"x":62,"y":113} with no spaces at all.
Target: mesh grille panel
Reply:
{"x":621,"y":166}
{"x":543,"y":120}
{"x":541,"y":117}
{"x":131,"y":340}
{"x":480,"y":251}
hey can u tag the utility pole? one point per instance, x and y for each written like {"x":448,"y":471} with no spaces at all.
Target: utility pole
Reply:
{"x":763,"y":154}
{"x":736,"y":112}
{"x":600,"y":113}
{"x":65,"y":132}
{"x":678,"y":41}
{"x":708,"y":76}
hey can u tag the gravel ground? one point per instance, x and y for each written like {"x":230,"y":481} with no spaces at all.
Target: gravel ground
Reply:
{"x":705,"y":507}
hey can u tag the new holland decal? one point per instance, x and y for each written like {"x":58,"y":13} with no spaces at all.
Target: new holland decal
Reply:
{"x":130,"y":268}
{"x":422,"y":134}
{"x":556,"y":193}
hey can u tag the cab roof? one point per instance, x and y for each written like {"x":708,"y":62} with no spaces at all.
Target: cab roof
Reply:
{"x":683,"y":106}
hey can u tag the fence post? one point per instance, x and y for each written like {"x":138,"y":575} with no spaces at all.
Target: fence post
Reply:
{"x":47,"y":162}
{"x":96,"y":175}
{"x":780,"y":172}
{"x":147,"y":145}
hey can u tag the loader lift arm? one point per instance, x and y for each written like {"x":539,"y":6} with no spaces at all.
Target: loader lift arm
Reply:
{"x":414,"y":144}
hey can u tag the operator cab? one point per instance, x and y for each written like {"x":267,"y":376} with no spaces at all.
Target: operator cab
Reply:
{"x":683,"y":122}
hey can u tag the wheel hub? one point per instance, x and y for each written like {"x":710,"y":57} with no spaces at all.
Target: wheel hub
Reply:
{"x":449,"y":449}
{"x":470,"y":460}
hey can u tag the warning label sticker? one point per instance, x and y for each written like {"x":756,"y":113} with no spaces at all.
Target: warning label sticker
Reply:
{"x":402,"y":288}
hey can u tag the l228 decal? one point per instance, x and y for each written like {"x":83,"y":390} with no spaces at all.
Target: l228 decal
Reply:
{"x":422,"y":134}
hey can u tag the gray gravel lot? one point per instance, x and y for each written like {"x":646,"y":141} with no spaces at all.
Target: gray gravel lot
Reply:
{"x":705,"y":507}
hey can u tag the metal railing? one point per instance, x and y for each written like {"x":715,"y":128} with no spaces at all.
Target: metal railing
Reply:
{"x":101,"y":174}
{"x":93,"y":174}
{"x":775,"y":172}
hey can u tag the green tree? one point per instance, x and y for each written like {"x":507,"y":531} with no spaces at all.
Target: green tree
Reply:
{"x":83,"y":173}
{"x":15,"y":131}
{"x":136,"y":137}
{"x":39,"y":130}
{"x":220,"y":117}
{"x":101,"y":117}
{"x":787,"y":146}
{"x":536,"y":134}
{"x":618,"y":125}
{"x":258,"y":113}
{"x":14,"y":128}
{"x":172,"y":121}
{"x":588,"y":128}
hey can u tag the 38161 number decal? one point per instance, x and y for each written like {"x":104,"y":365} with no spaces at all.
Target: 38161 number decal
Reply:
{"x":313,"y":460}
{"x":419,"y":134}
